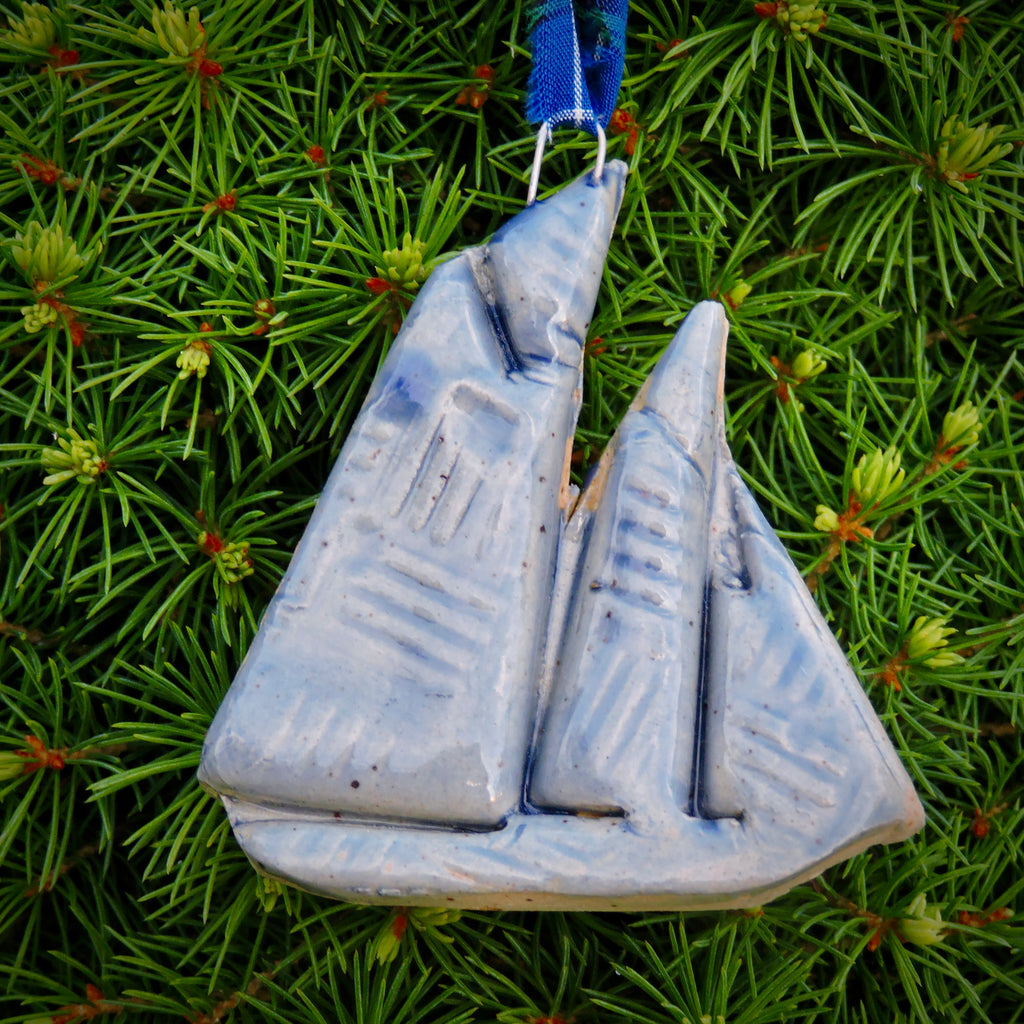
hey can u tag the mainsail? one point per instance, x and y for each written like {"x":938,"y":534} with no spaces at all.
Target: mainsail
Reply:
{"x":395,"y":673}
{"x":471,"y":690}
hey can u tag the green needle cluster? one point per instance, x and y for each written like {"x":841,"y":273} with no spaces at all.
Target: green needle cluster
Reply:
{"x":212,"y":221}
{"x":180,"y":35}
{"x":46,"y":254}
{"x":35,"y":29}
{"x":965,"y":152}
{"x":77,"y":458}
{"x":877,"y":476}
{"x":403,"y":266}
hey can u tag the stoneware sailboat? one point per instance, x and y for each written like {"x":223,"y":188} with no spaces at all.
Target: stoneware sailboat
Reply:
{"x":478,"y":688}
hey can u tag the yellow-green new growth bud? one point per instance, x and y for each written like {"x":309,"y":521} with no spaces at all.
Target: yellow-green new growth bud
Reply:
{"x":267,"y":892}
{"x":233,"y":562}
{"x":173,"y":32}
{"x":961,"y":427}
{"x":41,"y":315}
{"x":386,"y":944}
{"x":77,"y":458}
{"x":404,"y":266}
{"x":877,"y":476}
{"x":47,"y":254}
{"x":808,"y":364}
{"x":963,"y":152}
{"x":433,"y":917}
{"x":737,"y":293}
{"x":827,"y":521}
{"x":943,"y":659}
{"x":12,"y":764}
{"x":923,"y":926}
{"x":928,"y":636}
{"x":34,"y":30}
{"x":193,"y":360}
{"x":801,"y":17}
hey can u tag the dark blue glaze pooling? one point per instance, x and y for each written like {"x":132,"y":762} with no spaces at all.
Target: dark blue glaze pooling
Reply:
{"x":509,"y":356}
{"x":696,"y":800}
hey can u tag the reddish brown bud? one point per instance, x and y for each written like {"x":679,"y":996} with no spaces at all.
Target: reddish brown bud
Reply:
{"x":209,"y":543}
{"x":62,"y":58}
{"x":44,"y":171}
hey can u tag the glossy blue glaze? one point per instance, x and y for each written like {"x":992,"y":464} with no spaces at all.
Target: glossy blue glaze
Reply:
{"x":476,"y":688}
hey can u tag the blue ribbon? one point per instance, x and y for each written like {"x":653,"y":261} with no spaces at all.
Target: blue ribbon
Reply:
{"x":579,"y":47}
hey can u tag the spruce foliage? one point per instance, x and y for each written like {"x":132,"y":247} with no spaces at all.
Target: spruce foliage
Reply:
{"x":211,"y":226}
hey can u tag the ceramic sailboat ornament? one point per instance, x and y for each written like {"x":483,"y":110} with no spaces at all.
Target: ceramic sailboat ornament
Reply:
{"x":476,"y":688}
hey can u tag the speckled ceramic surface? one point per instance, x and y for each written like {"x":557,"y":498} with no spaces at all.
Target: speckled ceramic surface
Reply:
{"x":476,"y":688}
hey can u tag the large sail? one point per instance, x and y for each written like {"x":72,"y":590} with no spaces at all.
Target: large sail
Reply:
{"x":395,"y":673}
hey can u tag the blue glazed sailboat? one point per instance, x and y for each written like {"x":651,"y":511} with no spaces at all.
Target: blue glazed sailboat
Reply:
{"x":478,"y":688}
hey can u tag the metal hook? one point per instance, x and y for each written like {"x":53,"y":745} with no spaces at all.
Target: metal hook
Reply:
{"x":543,"y":138}
{"x":602,"y":147}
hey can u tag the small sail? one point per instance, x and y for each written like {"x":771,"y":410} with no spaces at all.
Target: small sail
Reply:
{"x":621,"y":720}
{"x":395,"y":673}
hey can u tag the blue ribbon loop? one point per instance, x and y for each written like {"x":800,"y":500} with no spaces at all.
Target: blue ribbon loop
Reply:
{"x":579,"y":48}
